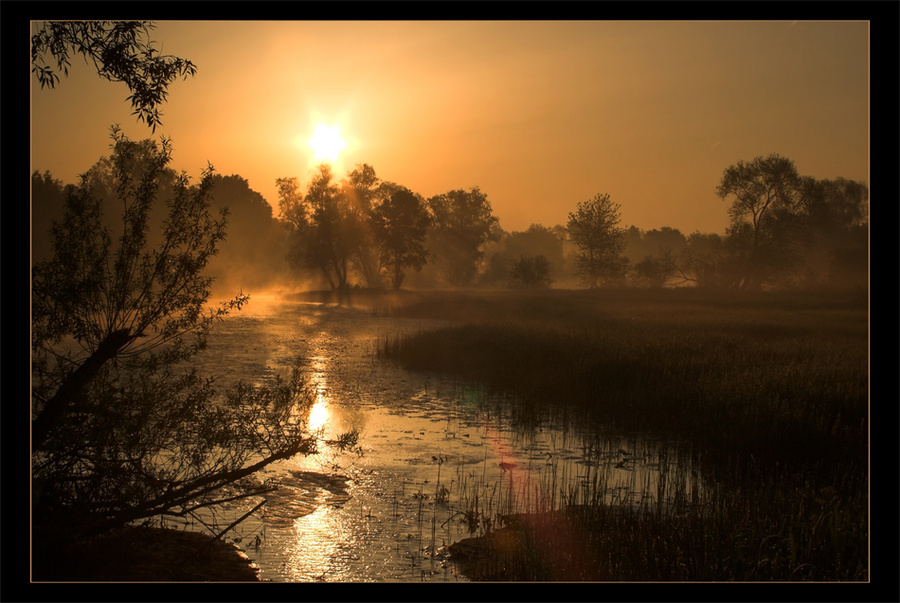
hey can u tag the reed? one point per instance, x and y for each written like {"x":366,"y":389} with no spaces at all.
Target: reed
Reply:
{"x":765,"y":395}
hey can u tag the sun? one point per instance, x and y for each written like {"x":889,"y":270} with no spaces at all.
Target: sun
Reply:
{"x":327,"y":143}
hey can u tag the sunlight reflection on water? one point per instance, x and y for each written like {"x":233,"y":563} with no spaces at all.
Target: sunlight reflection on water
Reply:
{"x":318,"y":414}
{"x":323,"y":547}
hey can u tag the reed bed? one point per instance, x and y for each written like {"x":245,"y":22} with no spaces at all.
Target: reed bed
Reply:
{"x":766,"y":395}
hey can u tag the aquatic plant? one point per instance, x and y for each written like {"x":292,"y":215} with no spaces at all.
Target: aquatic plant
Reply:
{"x":765,"y":395}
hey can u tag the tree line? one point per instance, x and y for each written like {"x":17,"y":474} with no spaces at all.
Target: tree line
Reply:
{"x":785,"y":230}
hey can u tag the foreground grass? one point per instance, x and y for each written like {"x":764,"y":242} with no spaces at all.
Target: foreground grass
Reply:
{"x":769,"y":392}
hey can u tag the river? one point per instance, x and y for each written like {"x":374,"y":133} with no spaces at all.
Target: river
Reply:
{"x":436,"y":460}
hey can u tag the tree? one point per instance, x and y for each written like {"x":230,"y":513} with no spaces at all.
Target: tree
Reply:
{"x":253,"y":254}
{"x":463,"y":223}
{"x":531,"y":272}
{"x":121,"y":51}
{"x":326,"y":229}
{"x":654,"y":254}
{"x":763,"y":213}
{"x":535,"y":241}
{"x":328,"y":248}
{"x":122,"y":427}
{"x":711,"y":261}
{"x":359,"y":191}
{"x":656,"y":270}
{"x":401,"y":222}
{"x":47,"y":200}
{"x":835,"y":231}
{"x":294,"y":215}
{"x":290,"y":203}
{"x":594,"y":228}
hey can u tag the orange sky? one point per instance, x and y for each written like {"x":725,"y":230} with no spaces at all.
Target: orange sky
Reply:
{"x":539,"y":115}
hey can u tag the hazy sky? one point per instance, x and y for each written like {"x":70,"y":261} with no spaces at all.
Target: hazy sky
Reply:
{"x":539,"y":114}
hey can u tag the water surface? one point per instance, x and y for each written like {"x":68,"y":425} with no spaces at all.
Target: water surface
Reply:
{"x":436,"y":460}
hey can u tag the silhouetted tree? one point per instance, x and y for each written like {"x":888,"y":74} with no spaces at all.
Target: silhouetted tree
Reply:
{"x":530,"y":272}
{"x":359,"y":192}
{"x":654,"y":255}
{"x":290,"y":203}
{"x":659,"y":240}
{"x":594,"y":228}
{"x":122,"y":428}
{"x":48,"y":196}
{"x":656,"y":270}
{"x":326,"y":228}
{"x":763,"y":214}
{"x":535,"y":241}
{"x":253,"y":254}
{"x":121,"y":51}
{"x":463,"y":223}
{"x":710,"y":261}
{"x":835,"y":230}
{"x":401,"y":222}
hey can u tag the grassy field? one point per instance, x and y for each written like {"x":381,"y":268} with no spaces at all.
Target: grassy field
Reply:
{"x":768,"y":392}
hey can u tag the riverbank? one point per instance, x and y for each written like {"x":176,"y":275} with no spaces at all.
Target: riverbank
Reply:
{"x":140,"y":554}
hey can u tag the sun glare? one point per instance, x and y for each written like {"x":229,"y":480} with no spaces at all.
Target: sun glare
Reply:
{"x":327,"y":142}
{"x":318,"y":414}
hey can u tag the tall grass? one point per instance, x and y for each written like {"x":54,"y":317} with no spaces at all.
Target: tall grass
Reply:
{"x":767,"y":393}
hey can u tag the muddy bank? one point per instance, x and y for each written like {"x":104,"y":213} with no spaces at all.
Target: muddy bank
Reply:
{"x":140,"y":554}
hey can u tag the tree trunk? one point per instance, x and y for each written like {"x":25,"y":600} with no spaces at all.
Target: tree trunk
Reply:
{"x":71,"y":392}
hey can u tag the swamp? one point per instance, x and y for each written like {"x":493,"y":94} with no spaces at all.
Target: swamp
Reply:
{"x":608,"y":435}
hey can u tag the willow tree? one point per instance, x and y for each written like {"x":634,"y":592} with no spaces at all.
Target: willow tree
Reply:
{"x":123,"y":428}
{"x":120,"y":51}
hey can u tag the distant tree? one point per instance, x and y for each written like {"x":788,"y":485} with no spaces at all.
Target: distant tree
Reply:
{"x":401,"y":222}
{"x":531,"y":272}
{"x":122,"y":428}
{"x":121,"y":51}
{"x":710,"y":261}
{"x":656,"y":271}
{"x":329,"y":245}
{"x":253,"y":255}
{"x":654,"y":255}
{"x":763,"y":214}
{"x":835,"y":231}
{"x":290,"y":203}
{"x":660,"y":240}
{"x":326,"y":228}
{"x":48,"y":196}
{"x":536,"y":240}
{"x":294,"y":216}
{"x":594,"y":228}
{"x":359,"y":191}
{"x":463,"y":223}
{"x":836,"y":204}
{"x":635,"y":248}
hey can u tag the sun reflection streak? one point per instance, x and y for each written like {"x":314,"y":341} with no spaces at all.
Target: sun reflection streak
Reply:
{"x":319,"y":414}
{"x":323,"y":547}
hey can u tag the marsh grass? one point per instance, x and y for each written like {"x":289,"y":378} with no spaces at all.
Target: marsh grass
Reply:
{"x":765,"y":394}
